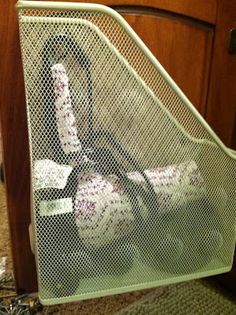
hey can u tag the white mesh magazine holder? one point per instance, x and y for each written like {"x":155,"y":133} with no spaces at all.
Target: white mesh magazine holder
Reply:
{"x":130,"y":186}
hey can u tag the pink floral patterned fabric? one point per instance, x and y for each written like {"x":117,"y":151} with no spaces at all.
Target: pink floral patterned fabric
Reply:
{"x":103,"y":210}
{"x":65,"y":118}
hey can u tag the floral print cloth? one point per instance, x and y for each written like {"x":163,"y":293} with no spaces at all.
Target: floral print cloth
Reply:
{"x":103,"y":210}
{"x":175,"y":186}
{"x":66,"y":123}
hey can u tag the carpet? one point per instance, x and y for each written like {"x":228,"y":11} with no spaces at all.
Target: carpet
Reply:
{"x":190,"y":298}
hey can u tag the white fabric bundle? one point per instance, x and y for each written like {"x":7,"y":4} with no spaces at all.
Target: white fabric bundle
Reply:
{"x":65,"y":118}
{"x":104,"y":212}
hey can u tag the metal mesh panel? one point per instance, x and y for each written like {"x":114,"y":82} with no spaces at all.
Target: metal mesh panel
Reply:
{"x":129,"y":190}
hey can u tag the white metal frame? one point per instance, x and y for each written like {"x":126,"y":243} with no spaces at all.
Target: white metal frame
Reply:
{"x":22,"y":4}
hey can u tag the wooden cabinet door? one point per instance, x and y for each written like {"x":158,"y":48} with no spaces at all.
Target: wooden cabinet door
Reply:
{"x":182,"y":45}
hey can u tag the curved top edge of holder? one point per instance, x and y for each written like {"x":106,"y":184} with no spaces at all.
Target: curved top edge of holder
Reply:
{"x":51,"y":5}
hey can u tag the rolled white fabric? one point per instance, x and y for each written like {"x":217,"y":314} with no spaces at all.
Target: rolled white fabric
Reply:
{"x":174,"y":185}
{"x":66,"y":123}
{"x":103,"y":210}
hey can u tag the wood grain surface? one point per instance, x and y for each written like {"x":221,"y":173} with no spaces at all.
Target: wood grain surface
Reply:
{"x":198,"y":9}
{"x":183,"y":47}
{"x":221,"y":106}
{"x":15,"y":147}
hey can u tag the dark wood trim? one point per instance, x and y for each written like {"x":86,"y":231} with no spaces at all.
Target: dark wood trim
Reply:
{"x":234,"y":135}
{"x":15,"y":147}
{"x":141,"y":10}
{"x":221,"y":106}
{"x":204,"y":10}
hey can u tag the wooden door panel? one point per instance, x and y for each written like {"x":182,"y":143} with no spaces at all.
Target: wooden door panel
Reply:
{"x":201,"y":10}
{"x":183,"y":47}
{"x":221,"y":106}
{"x":15,"y":147}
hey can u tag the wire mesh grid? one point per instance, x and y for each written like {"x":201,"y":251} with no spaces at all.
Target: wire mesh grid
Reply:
{"x":128,"y":189}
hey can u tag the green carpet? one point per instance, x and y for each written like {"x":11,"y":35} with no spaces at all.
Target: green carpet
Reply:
{"x":189,"y":298}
